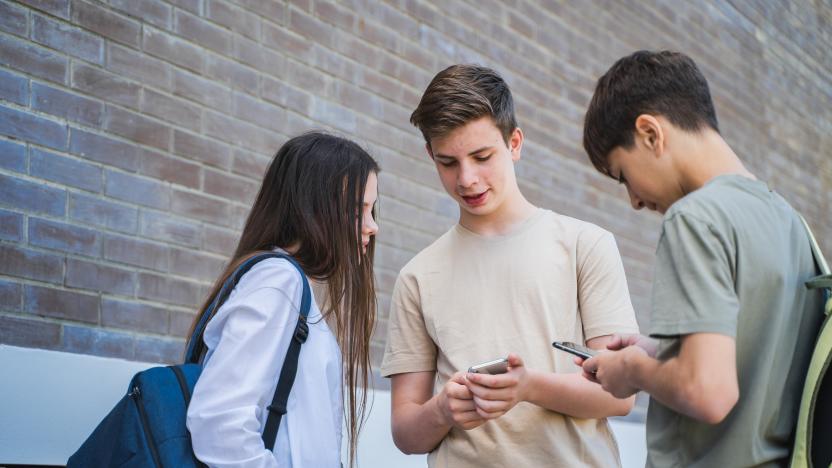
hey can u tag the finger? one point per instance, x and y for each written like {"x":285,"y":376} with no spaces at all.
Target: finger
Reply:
{"x":590,"y":377}
{"x":463,"y":417}
{"x":473,"y":424}
{"x":486,"y":393}
{"x":493,"y":381}
{"x":491,"y":406}
{"x":487,"y":416}
{"x":590,"y":365}
{"x":579,"y":361}
{"x":461,"y":406}
{"x":459,"y":392}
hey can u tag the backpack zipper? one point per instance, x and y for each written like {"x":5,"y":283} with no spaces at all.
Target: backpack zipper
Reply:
{"x":136,"y":394}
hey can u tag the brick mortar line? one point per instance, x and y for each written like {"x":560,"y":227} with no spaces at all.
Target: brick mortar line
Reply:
{"x":773,"y":32}
{"x":71,"y":124}
{"x":67,"y":220}
{"x":719,"y":73}
{"x":202,"y":107}
{"x":100,"y":260}
{"x":534,"y":44}
{"x":123,"y":298}
{"x":77,"y":324}
{"x":357,"y":36}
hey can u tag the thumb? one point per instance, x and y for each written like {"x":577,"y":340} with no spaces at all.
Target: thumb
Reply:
{"x":458,"y":377}
{"x":616,"y":342}
{"x":514,"y":360}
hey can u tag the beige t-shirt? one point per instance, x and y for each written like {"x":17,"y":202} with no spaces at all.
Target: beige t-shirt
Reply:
{"x":466,"y":299}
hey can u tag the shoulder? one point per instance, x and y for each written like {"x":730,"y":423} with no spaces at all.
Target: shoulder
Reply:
{"x":431,"y":256}
{"x":581,"y":234}
{"x":722,"y":201}
{"x":703,"y":205}
{"x":273,"y":273}
{"x":264,"y":298}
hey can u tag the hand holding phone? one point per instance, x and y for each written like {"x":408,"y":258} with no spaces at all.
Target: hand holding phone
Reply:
{"x":497,"y":366}
{"x":494,"y":395}
{"x":576,"y":349}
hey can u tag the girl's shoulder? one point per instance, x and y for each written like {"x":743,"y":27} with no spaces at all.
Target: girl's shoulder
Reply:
{"x":274,"y":273}
{"x":267,"y":288}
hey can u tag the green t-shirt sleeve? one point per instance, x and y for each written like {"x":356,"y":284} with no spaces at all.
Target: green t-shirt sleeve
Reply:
{"x":693,"y":290}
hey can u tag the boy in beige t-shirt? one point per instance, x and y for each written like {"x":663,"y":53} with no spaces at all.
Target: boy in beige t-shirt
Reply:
{"x":508,"y":280}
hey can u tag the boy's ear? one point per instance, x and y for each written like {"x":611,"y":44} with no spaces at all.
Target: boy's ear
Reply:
{"x":515,"y":143}
{"x":649,"y":132}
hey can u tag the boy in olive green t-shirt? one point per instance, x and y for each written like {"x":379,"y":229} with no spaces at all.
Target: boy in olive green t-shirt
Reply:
{"x":735,"y":324}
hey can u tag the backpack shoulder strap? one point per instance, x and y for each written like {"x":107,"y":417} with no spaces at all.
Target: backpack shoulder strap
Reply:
{"x":290,"y":365}
{"x":819,"y":258}
{"x":196,"y":346}
{"x":824,"y":280}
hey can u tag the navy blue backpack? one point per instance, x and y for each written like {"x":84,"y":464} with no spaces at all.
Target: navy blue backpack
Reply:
{"x":147,"y":426}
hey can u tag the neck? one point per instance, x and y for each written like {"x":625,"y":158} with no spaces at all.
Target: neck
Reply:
{"x":707,"y":156}
{"x":502,"y":221}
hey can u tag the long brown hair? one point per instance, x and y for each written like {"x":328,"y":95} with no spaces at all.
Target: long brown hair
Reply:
{"x":311,"y":200}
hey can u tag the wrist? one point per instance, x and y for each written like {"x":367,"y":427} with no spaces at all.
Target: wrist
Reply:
{"x":633,"y":369}
{"x":440,"y":416}
{"x":528,"y":387}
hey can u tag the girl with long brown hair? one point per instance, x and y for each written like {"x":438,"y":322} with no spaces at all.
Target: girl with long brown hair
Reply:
{"x":317,"y":203}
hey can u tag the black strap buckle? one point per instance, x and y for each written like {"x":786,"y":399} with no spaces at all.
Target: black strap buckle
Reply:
{"x":301,"y":330}
{"x":279,"y":409}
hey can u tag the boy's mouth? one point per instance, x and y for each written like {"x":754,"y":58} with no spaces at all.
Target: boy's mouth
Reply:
{"x":475,"y":200}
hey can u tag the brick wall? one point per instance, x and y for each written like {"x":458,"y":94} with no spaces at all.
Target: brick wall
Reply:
{"x":133,"y":133}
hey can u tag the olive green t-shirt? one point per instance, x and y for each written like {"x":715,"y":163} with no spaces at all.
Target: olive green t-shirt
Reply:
{"x":732,"y":259}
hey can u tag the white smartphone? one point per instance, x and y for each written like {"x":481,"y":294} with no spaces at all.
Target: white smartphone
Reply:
{"x":497,"y":366}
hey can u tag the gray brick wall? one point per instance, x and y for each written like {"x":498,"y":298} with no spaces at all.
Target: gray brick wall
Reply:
{"x":133,"y":134}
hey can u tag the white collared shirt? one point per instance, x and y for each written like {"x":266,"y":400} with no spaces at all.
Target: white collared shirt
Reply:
{"x":247,"y":342}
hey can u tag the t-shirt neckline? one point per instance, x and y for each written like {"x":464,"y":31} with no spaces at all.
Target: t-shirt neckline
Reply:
{"x":518,"y":230}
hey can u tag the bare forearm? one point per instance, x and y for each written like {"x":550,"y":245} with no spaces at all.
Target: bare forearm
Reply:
{"x":572,"y":395}
{"x":697,"y":395}
{"x":419,"y":428}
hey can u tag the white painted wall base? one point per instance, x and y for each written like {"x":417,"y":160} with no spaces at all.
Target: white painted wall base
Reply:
{"x":50,"y":401}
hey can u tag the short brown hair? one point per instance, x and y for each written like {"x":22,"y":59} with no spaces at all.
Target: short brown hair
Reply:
{"x":460,"y":94}
{"x":659,"y":83}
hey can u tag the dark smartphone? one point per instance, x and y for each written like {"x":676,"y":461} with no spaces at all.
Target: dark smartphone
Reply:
{"x":576,"y":349}
{"x":497,"y":366}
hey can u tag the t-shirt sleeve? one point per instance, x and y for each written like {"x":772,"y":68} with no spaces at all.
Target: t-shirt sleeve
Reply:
{"x":409,"y":346}
{"x":693,"y":290}
{"x":604,"y":299}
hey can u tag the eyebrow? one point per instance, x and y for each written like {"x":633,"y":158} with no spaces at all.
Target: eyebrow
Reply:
{"x":472,"y":153}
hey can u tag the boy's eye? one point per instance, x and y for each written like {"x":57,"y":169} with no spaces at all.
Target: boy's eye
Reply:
{"x":447,"y":163}
{"x":483,"y":158}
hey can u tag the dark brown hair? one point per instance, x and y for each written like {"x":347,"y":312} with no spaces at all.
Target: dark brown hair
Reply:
{"x":311,"y":199}
{"x":658,"y":83}
{"x":462,"y":93}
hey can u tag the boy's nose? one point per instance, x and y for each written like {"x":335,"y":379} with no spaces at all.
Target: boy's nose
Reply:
{"x":466,"y":177}
{"x":636,"y":202}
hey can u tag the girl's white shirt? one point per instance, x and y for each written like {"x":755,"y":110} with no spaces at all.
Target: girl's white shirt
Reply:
{"x":247,"y":341}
